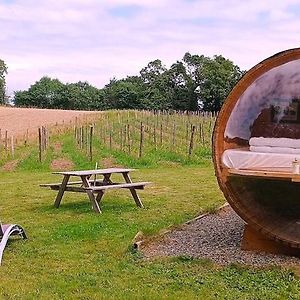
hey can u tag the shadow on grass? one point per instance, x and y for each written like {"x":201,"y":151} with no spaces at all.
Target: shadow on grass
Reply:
{"x":115,"y":205}
{"x":78,"y":206}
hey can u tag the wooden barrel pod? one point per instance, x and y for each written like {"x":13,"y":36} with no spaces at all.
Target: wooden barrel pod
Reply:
{"x":256,"y":148}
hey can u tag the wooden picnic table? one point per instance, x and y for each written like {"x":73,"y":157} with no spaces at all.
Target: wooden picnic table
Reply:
{"x":94,"y":187}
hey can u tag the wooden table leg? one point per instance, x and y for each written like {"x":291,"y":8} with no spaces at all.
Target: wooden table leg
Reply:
{"x":61,"y":190}
{"x":134,"y":194}
{"x":99,"y":196}
{"x":106,"y":179}
{"x":91,"y":195}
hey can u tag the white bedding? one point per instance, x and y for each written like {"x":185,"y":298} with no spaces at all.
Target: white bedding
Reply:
{"x":263,"y":153}
{"x":275,"y":142}
{"x":245,"y":159}
{"x":267,"y":149}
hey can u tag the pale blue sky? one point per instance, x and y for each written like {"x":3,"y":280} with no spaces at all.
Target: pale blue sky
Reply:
{"x":95,"y":40}
{"x":125,"y":11}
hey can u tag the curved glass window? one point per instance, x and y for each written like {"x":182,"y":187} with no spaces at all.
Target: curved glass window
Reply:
{"x":269,"y":107}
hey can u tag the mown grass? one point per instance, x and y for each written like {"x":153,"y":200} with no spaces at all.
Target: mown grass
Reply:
{"x":73,"y":253}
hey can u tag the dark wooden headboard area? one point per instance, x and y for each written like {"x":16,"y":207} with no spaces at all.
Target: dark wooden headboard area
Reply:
{"x":266,"y":125}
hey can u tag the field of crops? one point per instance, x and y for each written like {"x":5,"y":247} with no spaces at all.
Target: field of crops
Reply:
{"x":127,"y":137}
{"x":172,"y":136}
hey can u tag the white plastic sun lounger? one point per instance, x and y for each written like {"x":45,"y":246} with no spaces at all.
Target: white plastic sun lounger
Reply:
{"x":6,"y":230}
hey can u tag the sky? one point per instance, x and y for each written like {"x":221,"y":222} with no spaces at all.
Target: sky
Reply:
{"x":97,"y":40}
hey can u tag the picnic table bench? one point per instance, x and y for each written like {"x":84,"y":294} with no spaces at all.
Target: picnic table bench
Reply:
{"x":94,"y":187}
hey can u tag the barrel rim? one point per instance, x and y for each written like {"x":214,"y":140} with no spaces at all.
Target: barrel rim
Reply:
{"x":249,"y":77}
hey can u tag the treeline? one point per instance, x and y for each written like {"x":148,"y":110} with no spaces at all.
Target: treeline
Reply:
{"x":196,"y":82}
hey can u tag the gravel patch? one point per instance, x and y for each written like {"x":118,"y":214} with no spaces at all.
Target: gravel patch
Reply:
{"x":216,"y":237}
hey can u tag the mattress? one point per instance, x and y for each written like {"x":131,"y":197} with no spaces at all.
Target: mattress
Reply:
{"x":245,"y":159}
{"x":267,"y":149}
{"x":274,"y":142}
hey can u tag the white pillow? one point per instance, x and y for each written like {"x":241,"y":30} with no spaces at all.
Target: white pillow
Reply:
{"x":275,"y":142}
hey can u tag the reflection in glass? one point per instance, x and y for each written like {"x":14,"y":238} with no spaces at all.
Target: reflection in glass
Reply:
{"x":272,"y":100}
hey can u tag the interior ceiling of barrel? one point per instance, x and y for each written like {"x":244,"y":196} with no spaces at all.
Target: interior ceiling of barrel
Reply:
{"x":274,"y":99}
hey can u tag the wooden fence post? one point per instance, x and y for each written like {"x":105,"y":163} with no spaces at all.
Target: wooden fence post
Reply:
{"x":141,"y":140}
{"x":174,"y":135}
{"x":12,"y":146}
{"x":82,"y":138}
{"x":154,"y":136}
{"x":210,"y":127}
{"x":44,"y":138}
{"x":6,"y":141}
{"x":76,"y":133}
{"x":75,"y":129}
{"x":161,"y":135}
{"x":124,"y":136}
{"x":40,"y":145}
{"x":27,"y":136}
{"x":110,"y":140}
{"x":202,"y":133}
{"x":91,"y":142}
{"x":128,"y":138}
{"x":87,"y":142}
{"x":121,"y":138}
{"x":192,"y":141}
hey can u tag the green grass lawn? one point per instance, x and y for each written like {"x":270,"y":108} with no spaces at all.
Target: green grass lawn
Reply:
{"x":73,"y":253}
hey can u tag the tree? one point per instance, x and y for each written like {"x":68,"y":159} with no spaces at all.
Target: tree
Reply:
{"x":199,"y":82}
{"x":220,"y":75}
{"x":3,"y":71}
{"x":152,"y":71}
{"x":125,"y":93}
{"x":51,"y":93}
{"x":196,"y":82}
{"x":185,"y":76}
{"x":157,"y":94}
{"x":45,"y":93}
{"x":82,"y":96}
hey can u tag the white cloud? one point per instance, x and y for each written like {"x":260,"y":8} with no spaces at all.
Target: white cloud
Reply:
{"x":83,"y":39}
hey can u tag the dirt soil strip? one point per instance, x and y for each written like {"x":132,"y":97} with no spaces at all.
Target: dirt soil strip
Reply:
{"x":17,"y":120}
{"x":216,"y":237}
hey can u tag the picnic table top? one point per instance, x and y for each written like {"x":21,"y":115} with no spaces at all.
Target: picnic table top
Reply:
{"x":95,"y":172}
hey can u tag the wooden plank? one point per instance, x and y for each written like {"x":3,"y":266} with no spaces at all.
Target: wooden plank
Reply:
{"x":296,"y":178}
{"x":136,"y":185}
{"x":69,"y":183}
{"x":61,"y":190}
{"x":94,"y":172}
{"x":99,"y":196}
{"x":98,"y":187}
{"x":77,"y":189}
{"x":264,"y":174}
{"x":59,"y":183}
{"x":92,"y":198}
{"x":255,"y":241}
{"x":133,"y":192}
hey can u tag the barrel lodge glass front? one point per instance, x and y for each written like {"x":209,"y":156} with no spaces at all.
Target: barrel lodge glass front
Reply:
{"x":257,"y":147}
